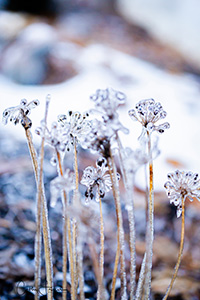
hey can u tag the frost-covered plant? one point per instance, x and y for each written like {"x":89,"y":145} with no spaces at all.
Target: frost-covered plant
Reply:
{"x":180,"y":186}
{"x":63,"y":184}
{"x":148,"y":112}
{"x":106,"y":104}
{"x":100,"y":135}
{"x":20,"y":114}
{"x":98,"y":182}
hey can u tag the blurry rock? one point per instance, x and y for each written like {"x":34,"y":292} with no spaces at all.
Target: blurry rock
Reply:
{"x":36,"y":57}
{"x":10,"y":25}
{"x":25,"y":61}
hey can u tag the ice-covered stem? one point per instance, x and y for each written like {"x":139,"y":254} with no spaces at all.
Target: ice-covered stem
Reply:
{"x":141,"y":280}
{"x":131,"y":220}
{"x":180,"y":251}
{"x":101,"y":292}
{"x":74,"y":224}
{"x":150,"y":225}
{"x":120,"y":230}
{"x":45,"y":222}
{"x":66,"y":232}
{"x":80,"y":265}
{"x":38,"y":240}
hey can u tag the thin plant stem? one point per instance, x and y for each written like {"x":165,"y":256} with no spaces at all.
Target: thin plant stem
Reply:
{"x":120,"y":234}
{"x":101,"y":292}
{"x":38,"y":240}
{"x":180,"y":251}
{"x":112,"y":297}
{"x":141,"y":279}
{"x":45,"y":222}
{"x":73,"y":293}
{"x":78,"y":276}
{"x":80,"y":265}
{"x":67,"y":231}
{"x":150,"y":225}
{"x":131,"y":220}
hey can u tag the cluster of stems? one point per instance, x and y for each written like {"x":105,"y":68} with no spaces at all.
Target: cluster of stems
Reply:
{"x":72,"y":240}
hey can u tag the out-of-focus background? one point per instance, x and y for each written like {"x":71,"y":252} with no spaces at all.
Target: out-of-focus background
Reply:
{"x":70,"y":48}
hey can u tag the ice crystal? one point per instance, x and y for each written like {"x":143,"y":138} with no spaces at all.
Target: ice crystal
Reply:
{"x":184,"y":185}
{"x":62,"y":183}
{"x":106,"y":103}
{"x":76,"y":125}
{"x":148,"y":112}
{"x":97,"y":180}
{"x":19,"y":113}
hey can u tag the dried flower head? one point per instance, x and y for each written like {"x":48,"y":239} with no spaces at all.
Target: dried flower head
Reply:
{"x":76,"y":125}
{"x":97,"y":180}
{"x":19,"y":113}
{"x":62,"y":183}
{"x":148,"y":112}
{"x":106,"y":103}
{"x":184,"y":185}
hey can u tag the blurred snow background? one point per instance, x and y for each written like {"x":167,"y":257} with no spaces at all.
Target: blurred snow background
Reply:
{"x":33,"y":48}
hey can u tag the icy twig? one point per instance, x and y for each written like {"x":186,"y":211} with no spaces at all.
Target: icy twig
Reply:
{"x":131,"y":220}
{"x":66,"y":231}
{"x":38,"y":240}
{"x":120,"y":233}
{"x":101,"y":291}
{"x":180,"y":251}
{"x":150,"y":225}
{"x":45,"y":222}
{"x":141,"y":279}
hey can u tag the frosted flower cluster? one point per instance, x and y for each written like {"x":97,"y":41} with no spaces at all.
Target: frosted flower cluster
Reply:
{"x":97,"y":180}
{"x":106,"y":104}
{"x":76,"y":125}
{"x":184,"y":185}
{"x":18,"y":113}
{"x":148,"y":112}
{"x":56,"y":137}
{"x":62,"y":183}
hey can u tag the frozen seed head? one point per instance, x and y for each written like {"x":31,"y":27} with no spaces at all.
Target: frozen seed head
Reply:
{"x":76,"y":124}
{"x":20,"y":113}
{"x":106,"y":104}
{"x":184,"y":185}
{"x":97,"y":180}
{"x":148,"y":112}
{"x":56,"y":137}
{"x":61,"y":183}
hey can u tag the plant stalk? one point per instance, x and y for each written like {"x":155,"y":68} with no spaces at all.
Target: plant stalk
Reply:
{"x":45,"y":222}
{"x":38,"y":240}
{"x":180,"y":251}
{"x":150,"y":225}
{"x":67,"y":231}
{"x":120,"y":234}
